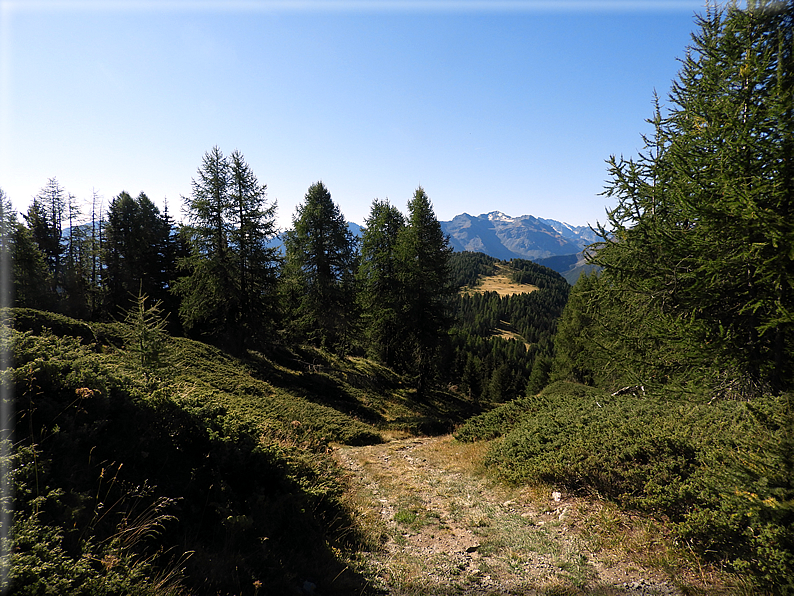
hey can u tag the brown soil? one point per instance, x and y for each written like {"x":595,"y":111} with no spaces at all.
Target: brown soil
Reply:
{"x":445,"y":528}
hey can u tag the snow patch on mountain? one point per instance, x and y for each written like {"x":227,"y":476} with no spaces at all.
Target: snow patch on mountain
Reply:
{"x":498,"y":216}
{"x":505,"y":237}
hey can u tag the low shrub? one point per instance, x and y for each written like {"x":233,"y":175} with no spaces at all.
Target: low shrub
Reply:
{"x":722,"y":473}
{"x":197,"y":477}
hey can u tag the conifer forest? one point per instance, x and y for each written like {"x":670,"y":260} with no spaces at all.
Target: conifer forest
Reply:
{"x":172,"y":389}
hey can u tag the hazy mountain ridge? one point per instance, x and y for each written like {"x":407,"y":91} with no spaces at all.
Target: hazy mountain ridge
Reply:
{"x":555,"y":244}
{"x":577,"y":234}
{"x":506,"y":237}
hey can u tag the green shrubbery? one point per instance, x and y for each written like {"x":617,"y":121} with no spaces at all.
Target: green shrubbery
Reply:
{"x":207,"y":474}
{"x":691,"y":313}
{"x":721,"y":472}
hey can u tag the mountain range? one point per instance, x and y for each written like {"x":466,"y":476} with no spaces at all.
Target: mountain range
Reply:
{"x":557,"y":245}
{"x":549,"y":242}
{"x":523,"y":237}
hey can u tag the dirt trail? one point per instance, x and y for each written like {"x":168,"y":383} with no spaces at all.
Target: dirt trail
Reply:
{"x":449,"y":530}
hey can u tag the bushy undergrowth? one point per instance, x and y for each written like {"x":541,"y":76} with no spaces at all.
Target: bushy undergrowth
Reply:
{"x":207,"y":475}
{"x":722,"y":473}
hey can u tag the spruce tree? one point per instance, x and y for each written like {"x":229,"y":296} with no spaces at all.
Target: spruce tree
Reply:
{"x":380,"y":292}
{"x":135,"y":237}
{"x":320,"y":264}
{"x":425,"y":278}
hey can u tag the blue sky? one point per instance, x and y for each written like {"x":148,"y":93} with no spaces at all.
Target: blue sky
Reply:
{"x":511,"y":106}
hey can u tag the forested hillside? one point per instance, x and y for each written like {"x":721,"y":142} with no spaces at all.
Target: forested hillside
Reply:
{"x":390,"y":294}
{"x":502,"y":344}
{"x":142,"y":463}
{"x":674,"y":366}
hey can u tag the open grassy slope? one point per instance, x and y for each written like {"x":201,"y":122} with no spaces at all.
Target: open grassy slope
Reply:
{"x":209,"y":476}
{"x":500,"y":282}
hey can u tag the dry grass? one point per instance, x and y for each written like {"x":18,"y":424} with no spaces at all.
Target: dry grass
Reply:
{"x":505,"y":331}
{"x":440,"y":524}
{"x":617,"y":537}
{"x":500,"y":283}
{"x":460,"y":457}
{"x":506,"y":334}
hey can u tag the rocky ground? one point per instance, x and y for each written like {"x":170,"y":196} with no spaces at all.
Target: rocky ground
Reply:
{"x":446,"y":529}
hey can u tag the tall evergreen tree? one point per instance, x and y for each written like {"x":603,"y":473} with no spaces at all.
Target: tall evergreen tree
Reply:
{"x":73,"y":239}
{"x":426,"y":282}
{"x":471,"y":377}
{"x":575,"y":352}
{"x":135,"y":236}
{"x":228,"y":287}
{"x":45,"y":222}
{"x":380,"y":291}
{"x":207,"y":304}
{"x":94,"y":256}
{"x":320,"y":264}
{"x":253,"y":226}
{"x":76,"y":265}
{"x":699,"y":250}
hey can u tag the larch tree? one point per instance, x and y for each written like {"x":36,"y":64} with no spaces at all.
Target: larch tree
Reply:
{"x":207,"y":305}
{"x":228,"y":284}
{"x":699,"y":252}
{"x":253,"y":226}
{"x":76,"y":267}
{"x":93,"y":255}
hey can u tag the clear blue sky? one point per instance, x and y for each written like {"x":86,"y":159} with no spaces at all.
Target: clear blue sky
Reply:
{"x":511,"y":106}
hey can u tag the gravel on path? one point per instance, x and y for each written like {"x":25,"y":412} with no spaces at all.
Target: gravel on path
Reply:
{"x":450,"y":530}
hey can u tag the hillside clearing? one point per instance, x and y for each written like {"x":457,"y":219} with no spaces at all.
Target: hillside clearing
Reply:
{"x":505,"y":331}
{"x":500,"y":283}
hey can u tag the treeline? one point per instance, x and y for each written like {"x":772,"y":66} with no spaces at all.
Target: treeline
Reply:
{"x":492,"y":368}
{"x":90,"y":270}
{"x":219,"y":277}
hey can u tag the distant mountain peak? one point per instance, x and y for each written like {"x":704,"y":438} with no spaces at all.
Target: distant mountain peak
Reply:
{"x":504,"y":236}
{"x":498,"y":216}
